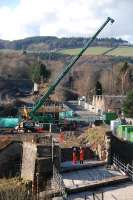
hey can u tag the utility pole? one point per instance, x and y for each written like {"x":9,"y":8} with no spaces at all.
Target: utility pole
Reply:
{"x":37,"y":186}
{"x":53,"y":156}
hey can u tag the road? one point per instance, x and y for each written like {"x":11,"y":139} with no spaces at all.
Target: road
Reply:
{"x":80,"y":114}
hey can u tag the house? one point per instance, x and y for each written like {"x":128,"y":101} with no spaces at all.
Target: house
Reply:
{"x":107,"y":103}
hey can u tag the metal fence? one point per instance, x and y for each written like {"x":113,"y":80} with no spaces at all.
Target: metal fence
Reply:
{"x":57,"y":179}
{"x":95,"y":196}
{"x":98,"y":196}
{"x":126,"y":168}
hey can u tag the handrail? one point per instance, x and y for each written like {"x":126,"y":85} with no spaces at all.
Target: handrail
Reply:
{"x":126,"y":168}
{"x":59,"y":181}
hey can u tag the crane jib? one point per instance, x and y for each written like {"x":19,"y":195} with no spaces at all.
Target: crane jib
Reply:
{"x":51,"y":88}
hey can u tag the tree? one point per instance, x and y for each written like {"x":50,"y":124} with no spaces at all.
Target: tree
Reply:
{"x":35,"y":72}
{"x":98,"y":88}
{"x":128,"y":105}
{"x":39,"y":72}
{"x":123,"y":73}
{"x":44,"y":72}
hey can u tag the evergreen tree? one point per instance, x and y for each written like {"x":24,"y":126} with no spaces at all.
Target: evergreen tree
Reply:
{"x":128,"y":105}
{"x":35,"y":72}
{"x":98,"y":88}
{"x":39,"y":72}
{"x":44,"y":72}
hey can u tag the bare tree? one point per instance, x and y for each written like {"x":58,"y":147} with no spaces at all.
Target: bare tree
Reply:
{"x":123,"y":73}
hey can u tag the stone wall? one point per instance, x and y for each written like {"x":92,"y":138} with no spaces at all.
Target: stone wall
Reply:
{"x":28,"y":161}
{"x":37,"y":162}
{"x":10,"y":159}
{"x":123,"y":149}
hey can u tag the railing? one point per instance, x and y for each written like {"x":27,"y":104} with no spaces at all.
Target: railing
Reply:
{"x":126,"y":168}
{"x":99,"y":195}
{"x":57,"y":179}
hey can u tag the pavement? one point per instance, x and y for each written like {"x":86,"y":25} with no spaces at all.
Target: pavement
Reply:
{"x":80,"y":178}
{"x":119,"y":192}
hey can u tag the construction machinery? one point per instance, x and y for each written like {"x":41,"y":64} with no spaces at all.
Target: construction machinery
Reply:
{"x":36,"y":116}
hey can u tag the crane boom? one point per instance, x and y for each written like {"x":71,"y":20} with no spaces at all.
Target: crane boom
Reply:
{"x":51,"y":88}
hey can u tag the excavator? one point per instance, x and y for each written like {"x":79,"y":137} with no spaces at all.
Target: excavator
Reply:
{"x":33,"y":116}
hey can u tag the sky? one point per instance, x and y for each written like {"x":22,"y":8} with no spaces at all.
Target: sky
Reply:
{"x":65,"y":18}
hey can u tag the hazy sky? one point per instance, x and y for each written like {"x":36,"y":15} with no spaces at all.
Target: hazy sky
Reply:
{"x":65,"y":18}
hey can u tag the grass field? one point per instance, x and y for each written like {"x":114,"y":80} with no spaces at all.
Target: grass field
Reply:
{"x":89,"y":51}
{"x":120,"y":51}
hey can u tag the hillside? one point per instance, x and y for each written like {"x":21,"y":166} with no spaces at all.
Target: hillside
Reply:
{"x":53,"y":43}
{"x":15,"y":73}
{"x":101,"y":62}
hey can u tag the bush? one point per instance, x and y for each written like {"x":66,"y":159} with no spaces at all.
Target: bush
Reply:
{"x":13,"y":189}
{"x":128,"y":105}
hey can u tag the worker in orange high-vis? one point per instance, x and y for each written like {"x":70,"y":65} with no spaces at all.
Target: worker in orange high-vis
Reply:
{"x":74,"y":158}
{"x":61,"y":137}
{"x":81,"y":155}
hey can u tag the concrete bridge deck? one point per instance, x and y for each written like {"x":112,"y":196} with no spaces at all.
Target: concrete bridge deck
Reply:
{"x":92,"y":178}
{"x":80,"y":184}
{"x":117,"y":192}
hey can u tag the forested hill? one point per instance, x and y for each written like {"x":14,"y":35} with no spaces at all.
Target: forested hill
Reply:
{"x":52,"y":43}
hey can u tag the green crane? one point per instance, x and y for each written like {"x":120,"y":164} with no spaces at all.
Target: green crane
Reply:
{"x":52,"y":87}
